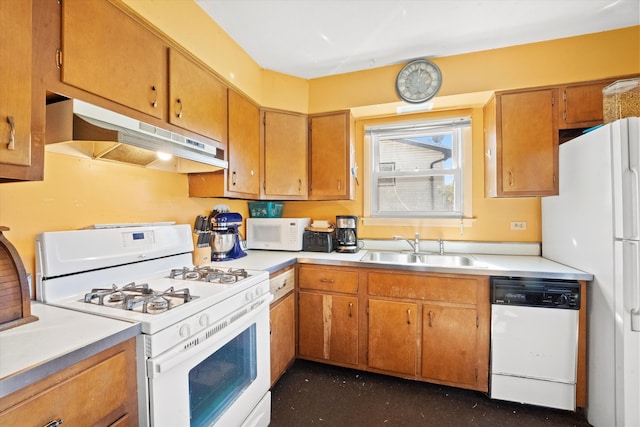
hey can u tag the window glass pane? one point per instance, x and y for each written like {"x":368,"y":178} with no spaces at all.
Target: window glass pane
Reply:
{"x":416,"y":170}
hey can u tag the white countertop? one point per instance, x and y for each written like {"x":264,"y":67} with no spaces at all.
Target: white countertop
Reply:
{"x":58,"y":339}
{"x":493,"y":265}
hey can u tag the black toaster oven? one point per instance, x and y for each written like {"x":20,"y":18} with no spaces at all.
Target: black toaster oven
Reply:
{"x":319,"y":241}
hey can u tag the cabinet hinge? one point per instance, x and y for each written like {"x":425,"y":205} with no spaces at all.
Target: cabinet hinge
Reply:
{"x":564,"y":95}
{"x":553,"y":101}
{"x":477,"y":321}
{"x":476,"y":374}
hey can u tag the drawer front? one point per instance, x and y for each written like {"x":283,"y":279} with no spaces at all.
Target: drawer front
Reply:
{"x":88,"y":398}
{"x":281,"y":284}
{"x":328,"y":279}
{"x":459,"y":289}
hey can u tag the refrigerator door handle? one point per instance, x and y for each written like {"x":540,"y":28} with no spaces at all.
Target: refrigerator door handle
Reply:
{"x":631,"y":281}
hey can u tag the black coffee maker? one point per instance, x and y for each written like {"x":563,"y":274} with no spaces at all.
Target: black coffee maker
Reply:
{"x":347,"y":233}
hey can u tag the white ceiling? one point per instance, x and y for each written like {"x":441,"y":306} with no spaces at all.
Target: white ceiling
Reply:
{"x":316,"y":38}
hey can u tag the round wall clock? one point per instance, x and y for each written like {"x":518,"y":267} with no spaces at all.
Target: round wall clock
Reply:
{"x":418,"y":81}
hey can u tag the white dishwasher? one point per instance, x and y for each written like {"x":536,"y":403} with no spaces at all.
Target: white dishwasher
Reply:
{"x":534,"y":341}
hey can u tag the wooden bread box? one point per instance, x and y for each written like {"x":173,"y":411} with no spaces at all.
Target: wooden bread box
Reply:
{"x":15,"y":303}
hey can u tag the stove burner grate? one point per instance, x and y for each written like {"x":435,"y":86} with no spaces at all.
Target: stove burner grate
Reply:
{"x":209,"y":274}
{"x":136,"y":297}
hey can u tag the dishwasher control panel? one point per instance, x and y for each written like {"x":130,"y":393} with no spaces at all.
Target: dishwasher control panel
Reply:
{"x":528,"y":292}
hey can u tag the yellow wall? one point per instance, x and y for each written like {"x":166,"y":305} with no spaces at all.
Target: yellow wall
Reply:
{"x":79,"y":192}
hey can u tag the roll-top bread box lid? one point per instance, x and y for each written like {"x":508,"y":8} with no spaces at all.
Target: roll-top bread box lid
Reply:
{"x":15,"y":304}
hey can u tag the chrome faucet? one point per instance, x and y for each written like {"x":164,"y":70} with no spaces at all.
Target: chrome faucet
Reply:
{"x":441,"y":246}
{"x":415,"y":245}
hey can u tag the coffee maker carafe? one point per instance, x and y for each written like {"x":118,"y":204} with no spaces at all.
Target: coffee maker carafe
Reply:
{"x":347,"y":233}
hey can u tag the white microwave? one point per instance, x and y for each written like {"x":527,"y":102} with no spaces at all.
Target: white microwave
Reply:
{"x":278,"y":234}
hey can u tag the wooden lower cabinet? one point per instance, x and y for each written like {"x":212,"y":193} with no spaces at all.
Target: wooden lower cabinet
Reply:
{"x":328,"y":327}
{"x":283,"y":335}
{"x":450,"y":344}
{"x":430,"y":327}
{"x":392,"y":336}
{"x":98,"y":391}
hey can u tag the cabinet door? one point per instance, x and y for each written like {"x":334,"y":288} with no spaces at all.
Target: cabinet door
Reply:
{"x":283,"y":336}
{"x":243,"y":146}
{"x":581,"y":105}
{"x":524,"y":161}
{"x":392,"y":336}
{"x":15,"y":83}
{"x":331,"y":154}
{"x":285,"y":155}
{"x":108,"y":53}
{"x":328,"y":327}
{"x":450,"y":344}
{"x":198,"y":100}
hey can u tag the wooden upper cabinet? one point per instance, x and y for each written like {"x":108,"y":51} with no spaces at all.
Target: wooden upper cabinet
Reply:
{"x":581,"y":105}
{"x":15,"y":84}
{"x":243,"y":147}
{"x":331,"y":156}
{"x":284,"y":150}
{"x":118,"y":59}
{"x":242,"y":178}
{"x":197,"y":98}
{"x":521,"y":144}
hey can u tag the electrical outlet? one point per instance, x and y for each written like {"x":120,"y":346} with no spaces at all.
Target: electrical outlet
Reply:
{"x":518,"y":225}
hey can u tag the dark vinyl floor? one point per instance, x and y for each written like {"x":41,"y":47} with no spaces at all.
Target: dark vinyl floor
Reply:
{"x":311,"y":394}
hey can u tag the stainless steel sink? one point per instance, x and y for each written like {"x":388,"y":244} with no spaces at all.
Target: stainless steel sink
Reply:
{"x":435,"y":260}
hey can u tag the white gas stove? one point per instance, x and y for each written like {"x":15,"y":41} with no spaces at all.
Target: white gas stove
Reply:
{"x":188,"y":315}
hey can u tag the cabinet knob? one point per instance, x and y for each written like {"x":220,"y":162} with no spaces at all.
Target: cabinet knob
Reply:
{"x":54,"y":423}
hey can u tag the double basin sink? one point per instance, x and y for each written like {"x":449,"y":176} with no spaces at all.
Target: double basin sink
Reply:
{"x":421,"y":259}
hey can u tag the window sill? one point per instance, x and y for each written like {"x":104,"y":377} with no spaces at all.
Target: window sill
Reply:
{"x":416,"y":222}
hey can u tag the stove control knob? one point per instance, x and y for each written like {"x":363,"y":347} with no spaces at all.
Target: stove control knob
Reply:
{"x":185,"y":330}
{"x":258,"y":291}
{"x":204,"y":320}
{"x":248,"y":296}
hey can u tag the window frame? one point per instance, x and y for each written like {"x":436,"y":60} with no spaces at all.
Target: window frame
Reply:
{"x":462,"y":216}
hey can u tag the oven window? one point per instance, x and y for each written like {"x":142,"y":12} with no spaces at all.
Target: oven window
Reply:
{"x":218,"y":380}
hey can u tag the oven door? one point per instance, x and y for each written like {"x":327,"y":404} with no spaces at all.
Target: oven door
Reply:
{"x":220,"y":377}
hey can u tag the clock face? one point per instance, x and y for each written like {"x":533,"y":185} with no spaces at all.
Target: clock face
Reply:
{"x":418,"y":81}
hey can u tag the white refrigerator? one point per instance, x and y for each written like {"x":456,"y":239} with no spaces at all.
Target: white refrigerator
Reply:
{"x":594,"y":225}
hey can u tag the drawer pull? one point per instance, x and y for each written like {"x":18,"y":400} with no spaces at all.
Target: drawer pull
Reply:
{"x":350,"y":309}
{"x":54,"y":423}
{"x":154,"y":104}
{"x":430,"y":319}
{"x":11,"y":144}
{"x":179,"y":115}
{"x":323,"y":280}
{"x":408,"y":316}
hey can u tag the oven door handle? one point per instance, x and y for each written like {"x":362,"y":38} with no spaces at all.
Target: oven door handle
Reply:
{"x":196,"y":348}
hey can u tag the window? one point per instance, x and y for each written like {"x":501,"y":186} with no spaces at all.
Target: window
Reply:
{"x":416,"y":169}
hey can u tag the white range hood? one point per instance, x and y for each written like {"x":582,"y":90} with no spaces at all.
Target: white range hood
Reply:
{"x":81,"y":129}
